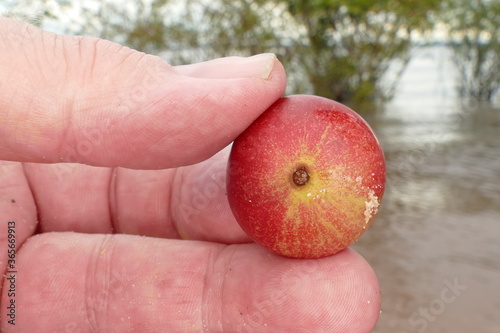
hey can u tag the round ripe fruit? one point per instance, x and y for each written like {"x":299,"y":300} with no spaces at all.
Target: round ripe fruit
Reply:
{"x":306,"y":179}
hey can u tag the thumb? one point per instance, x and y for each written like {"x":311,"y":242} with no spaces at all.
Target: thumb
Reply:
{"x":87,"y":100}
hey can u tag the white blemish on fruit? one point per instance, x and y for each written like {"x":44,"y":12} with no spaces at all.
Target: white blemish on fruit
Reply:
{"x":309,"y":194}
{"x":371,"y":206}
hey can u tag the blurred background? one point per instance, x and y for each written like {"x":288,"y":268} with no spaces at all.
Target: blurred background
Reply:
{"x":425,"y":74}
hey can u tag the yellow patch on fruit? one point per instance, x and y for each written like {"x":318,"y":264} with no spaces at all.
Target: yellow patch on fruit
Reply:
{"x":323,"y":209}
{"x":330,"y":190}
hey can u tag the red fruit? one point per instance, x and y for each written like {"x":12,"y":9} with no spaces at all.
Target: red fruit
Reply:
{"x":306,"y":179}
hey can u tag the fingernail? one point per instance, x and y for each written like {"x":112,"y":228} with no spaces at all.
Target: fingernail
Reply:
{"x":258,"y":66}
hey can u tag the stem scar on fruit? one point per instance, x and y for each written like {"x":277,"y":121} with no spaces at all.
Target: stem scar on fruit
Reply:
{"x":300,"y":176}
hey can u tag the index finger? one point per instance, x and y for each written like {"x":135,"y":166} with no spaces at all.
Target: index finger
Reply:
{"x":121,"y":283}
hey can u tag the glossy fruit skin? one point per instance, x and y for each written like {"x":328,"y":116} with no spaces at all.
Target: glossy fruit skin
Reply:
{"x":343,"y":187}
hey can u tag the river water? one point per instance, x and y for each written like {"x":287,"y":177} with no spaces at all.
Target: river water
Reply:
{"x":435,"y":244}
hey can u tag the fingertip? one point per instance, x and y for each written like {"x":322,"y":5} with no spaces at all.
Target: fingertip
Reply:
{"x":333,"y":294}
{"x":208,"y":116}
{"x":361,"y":294}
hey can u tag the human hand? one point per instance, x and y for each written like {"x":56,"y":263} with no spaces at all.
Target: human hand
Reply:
{"x":101,"y":146}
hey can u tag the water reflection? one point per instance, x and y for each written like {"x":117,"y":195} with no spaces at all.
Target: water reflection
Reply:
{"x":438,"y":232}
